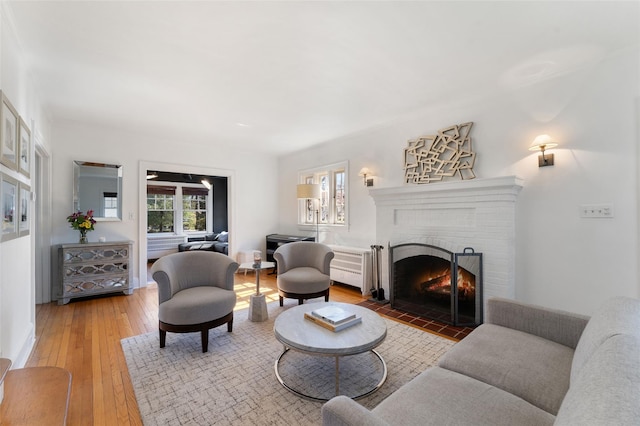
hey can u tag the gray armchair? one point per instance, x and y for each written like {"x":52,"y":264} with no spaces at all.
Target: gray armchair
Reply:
{"x":195,"y":293}
{"x":303,"y":270}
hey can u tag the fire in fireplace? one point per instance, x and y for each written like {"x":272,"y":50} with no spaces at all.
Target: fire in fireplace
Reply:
{"x":435,"y":283}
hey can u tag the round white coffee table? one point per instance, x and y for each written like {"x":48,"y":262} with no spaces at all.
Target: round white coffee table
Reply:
{"x":302,"y":335}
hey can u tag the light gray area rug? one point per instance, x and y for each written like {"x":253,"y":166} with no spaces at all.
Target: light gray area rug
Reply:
{"x":235,"y":384}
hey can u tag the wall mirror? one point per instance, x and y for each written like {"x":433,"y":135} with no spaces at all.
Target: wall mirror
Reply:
{"x":98,"y":187}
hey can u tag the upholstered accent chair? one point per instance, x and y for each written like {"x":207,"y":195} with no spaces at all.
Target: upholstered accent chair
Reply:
{"x":303,"y":270}
{"x":195,"y":293}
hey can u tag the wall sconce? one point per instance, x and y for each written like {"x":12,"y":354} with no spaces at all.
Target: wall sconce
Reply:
{"x":310,"y":191}
{"x":541,"y":143}
{"x":206,"y":183}
{"x":151,"y":175}
{"x":364,"y":172}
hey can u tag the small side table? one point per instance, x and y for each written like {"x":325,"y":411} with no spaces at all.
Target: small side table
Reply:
{"x":257,"y":302}
{"x":245,"y":256}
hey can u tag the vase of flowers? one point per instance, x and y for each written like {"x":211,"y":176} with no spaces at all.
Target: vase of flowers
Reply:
{"x":83,"y":223}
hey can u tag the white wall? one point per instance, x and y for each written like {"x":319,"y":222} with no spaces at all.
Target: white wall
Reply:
{"x":253,"y":212}
{"x":17,"y":287}
{"x":563,"y":261}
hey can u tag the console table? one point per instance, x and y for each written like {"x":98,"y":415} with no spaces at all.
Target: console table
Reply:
{"x":94,"y":268}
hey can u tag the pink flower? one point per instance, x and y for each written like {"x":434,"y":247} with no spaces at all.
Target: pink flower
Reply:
{"x":78,"y":220}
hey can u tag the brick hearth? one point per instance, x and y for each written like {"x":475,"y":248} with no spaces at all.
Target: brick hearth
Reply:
{"x":433,"y":326}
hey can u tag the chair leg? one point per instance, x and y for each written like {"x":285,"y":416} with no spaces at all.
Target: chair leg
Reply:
{"x":163,"y":338}
{"x":205,"y":340}
{"x":281,"y":300}
{"x":230,"y":326}
{"x":300,"y":301}
{"x":326,"y":296}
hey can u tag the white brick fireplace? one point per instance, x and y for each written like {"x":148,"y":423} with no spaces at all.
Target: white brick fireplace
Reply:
{"x":478,"y":213}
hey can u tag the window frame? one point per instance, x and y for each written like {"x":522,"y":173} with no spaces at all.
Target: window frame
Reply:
{"x":207,"y":210}
{"x":169,"y":193}
{"x":328,"y":209}
{"x":178,"y":209}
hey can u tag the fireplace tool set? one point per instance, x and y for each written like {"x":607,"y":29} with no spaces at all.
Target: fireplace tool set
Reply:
{"x":377,"y":292}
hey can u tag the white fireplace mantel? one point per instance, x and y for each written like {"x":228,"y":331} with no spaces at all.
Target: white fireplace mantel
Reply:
{"x":476,"y":213}
{"x":486,"y":188}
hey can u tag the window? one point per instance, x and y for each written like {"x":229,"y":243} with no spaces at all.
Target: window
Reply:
{"x":110,"y":201}
{"x":160,"y":213}
{"x":332,"y":206}
{"x":194,"y":209}
{"x":165,"y":212}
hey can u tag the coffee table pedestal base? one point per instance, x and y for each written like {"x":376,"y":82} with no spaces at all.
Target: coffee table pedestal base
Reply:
{"x":258,"y":308}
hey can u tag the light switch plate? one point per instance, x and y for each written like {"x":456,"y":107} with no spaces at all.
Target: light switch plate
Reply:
{"x":596,"y":210}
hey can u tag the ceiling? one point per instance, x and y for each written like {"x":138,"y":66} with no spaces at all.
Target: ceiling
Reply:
{"x":282,"y":76}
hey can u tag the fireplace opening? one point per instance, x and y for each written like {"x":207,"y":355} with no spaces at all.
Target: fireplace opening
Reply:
{"x":435,"y":283}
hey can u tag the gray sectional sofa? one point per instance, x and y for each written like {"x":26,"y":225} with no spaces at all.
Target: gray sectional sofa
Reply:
{"x":218,"y":242}
{"x":527,"y":365}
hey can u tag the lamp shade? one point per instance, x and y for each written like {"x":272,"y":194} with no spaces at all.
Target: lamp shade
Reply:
{"x":364,"y":172}
{"x":542,"y":142}
{"x":309,"y":190}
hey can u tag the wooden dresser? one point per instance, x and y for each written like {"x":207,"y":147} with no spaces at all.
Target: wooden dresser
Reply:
{"x":94,"y":268}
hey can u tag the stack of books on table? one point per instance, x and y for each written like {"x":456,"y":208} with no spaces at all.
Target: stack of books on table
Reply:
{"x":333,"y":318}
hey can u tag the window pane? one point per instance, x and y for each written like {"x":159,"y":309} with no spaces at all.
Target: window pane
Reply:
{"x":194,"y":221}
{"x":159,"y":221}
{"x":309,"y":213}
{"x":324,"y":199}
{"x":339,"y":192}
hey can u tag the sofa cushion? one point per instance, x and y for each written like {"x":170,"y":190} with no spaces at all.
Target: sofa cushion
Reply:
{"x":606,"y":389}
{"x":516,"y":362}
{"x":552,"y":324}
{"x":221,"y":247}
{"x":196,"y":245}
{"x":438,"y":397}
{"x":619,"y":315}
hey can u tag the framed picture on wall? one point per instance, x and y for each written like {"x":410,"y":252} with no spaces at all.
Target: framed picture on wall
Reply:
{"x":9,"y":199}
{"x":24,"y":139}
{"x":25,"y":212}
{"x":8,"y":134}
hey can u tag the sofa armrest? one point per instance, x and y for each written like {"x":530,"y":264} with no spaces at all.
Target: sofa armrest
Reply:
{"x":551,"y":324}
{"x":343,"y":411}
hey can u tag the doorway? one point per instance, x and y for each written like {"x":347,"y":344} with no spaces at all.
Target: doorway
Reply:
{"x":148,"y":167}
{"x":42,"y":224}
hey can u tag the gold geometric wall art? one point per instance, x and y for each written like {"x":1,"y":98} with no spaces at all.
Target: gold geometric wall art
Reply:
{"x":435,"y":157}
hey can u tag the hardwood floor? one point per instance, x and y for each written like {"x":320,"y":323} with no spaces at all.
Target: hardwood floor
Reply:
{"x":84,"y":338}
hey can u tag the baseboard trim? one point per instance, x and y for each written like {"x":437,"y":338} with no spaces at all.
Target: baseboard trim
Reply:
{"x":25,"y":349}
